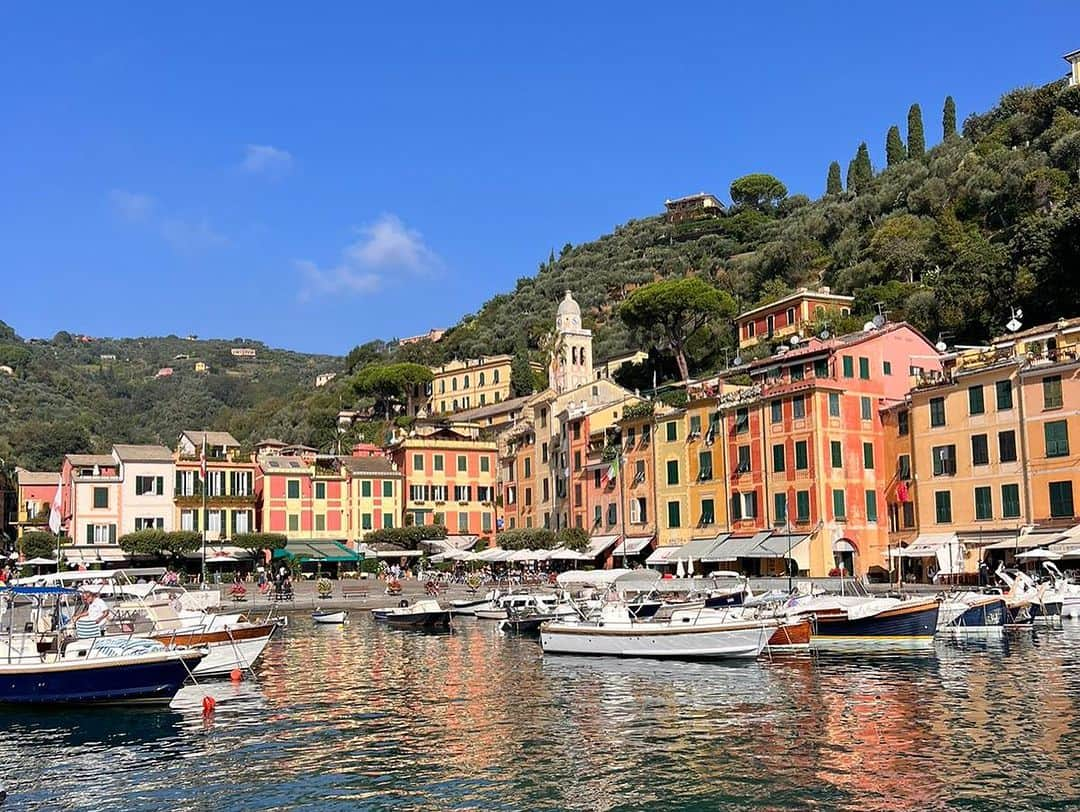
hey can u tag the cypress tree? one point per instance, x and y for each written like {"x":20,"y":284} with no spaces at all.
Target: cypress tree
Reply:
{"x":863,"y":170}
{"x":832,"y":185}
{"x":852,"y":176}
{"x":894,"y":147}
{"x":948,"y":118}
{"x":916,"y":141}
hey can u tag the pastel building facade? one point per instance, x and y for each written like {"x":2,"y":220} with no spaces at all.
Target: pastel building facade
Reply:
{"x":228,"y":487}
{"x":789,"y":315}
{"x":91,"y":506}
{"x":146,"y":474}
{"x":35,"y":493}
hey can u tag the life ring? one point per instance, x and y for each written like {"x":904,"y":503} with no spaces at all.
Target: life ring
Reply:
{"x":403,"y":603}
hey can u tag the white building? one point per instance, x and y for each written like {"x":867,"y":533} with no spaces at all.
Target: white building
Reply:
{"x":571,"y":364}
{"x":1074,"y":64}
{"x":146,"y":487}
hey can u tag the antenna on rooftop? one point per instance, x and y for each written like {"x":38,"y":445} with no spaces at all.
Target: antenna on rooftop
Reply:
{"x":1014,"y":324}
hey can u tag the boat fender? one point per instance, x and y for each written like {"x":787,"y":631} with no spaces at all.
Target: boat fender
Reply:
{"x":208,"y":704}
{"x":403,"y":603}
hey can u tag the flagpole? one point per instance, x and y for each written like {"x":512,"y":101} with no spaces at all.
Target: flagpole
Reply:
{"x":205,"y":485}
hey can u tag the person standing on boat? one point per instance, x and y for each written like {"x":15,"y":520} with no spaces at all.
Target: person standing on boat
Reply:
{"x":90,"y":620}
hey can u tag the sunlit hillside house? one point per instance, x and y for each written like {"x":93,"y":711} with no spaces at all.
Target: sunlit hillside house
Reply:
{"x":789,"y":316}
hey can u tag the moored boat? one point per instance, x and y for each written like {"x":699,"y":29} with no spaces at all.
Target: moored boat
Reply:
{"x":855,"y":623}
{"x":616,"y":633}
{"x":425,"y":613}
{"x":972,"y":613}
{"x":328,"y":617}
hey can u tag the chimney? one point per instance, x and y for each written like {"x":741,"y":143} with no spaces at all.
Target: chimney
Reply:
{"x":826,"y":289}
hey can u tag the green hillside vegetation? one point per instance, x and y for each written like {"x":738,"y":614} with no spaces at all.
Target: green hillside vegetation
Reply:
{"x":948,"y":237}
{"x":64,"y":397}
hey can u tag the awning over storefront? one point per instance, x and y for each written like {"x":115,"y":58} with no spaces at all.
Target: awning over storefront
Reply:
{"x":1068,"y":546}
{"x":926,"y":545}
{"x":326,"y":552}
{"x":598,"y":545}
{"x":392,"y":554}
{"x":86,"y":556}
{"x":944,"y":547}
{"x":761,"y":545}
{"x":633,"y":545}
{"x":563,"y":554}
{"x":1036,"y":538}
{"x":662,"y":556}
{"x":700,"y":549}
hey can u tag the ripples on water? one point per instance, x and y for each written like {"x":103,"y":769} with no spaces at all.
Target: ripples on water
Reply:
{"x":371,"y":717}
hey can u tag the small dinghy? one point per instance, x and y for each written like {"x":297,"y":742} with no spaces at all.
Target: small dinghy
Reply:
{"x":330,"y":618}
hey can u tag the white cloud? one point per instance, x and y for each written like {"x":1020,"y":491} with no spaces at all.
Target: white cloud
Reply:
{"x":386,"y":247}
{"x":263,"y":159}
{"x":131,"y":205}
{"x":183,"y":235}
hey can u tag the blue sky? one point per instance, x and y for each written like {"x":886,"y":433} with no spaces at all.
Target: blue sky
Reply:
{"x":315,"y":178}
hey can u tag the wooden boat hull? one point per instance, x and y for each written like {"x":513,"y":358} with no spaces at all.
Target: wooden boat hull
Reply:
{"x":227,"y":648}
{"x":140,"y":679}
{"x":901,"y":627}
{"x":793,"y":635}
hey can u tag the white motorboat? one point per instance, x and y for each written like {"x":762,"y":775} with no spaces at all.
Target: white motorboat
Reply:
{"x":686,"y":634}
{"x":330,"y":617}
{"x":517,"y":603}
{"x":426,"y":613}
{"x":1046,"y":602}
{"x":1069,"y":591}
{"x":468,"y":607}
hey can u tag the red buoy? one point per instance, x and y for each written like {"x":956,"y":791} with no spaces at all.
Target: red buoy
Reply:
{"x":236,"y":675}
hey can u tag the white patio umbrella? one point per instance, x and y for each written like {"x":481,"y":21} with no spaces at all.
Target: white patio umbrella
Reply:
{"x":689,"y":567}
{"x":680,"y":571}
{"x":1039,"y":553}
{"x":40,"y":562}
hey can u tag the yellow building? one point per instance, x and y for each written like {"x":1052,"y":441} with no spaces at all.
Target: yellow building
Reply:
{"x":674,"y":519}
{"x":229,"y":486}
{"x":994,"y":461}
{"x":706,"y":484}
{"x":468,"y":384}
{"x":374,"y":495}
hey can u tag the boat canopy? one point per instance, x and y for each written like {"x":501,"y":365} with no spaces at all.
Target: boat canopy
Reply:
{"x":39,"y":590}
{"x":130,"y":573}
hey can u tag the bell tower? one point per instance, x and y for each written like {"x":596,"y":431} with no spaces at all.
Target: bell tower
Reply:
{"x":571,"y":362}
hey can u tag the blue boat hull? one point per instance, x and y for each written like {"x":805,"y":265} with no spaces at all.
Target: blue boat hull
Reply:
{"x":154,"y":680}
{"x":989,"y":615}
{"x":903,"y":627}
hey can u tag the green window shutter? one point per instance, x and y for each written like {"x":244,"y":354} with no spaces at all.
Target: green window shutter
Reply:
{"x":983,"y":504}
{"x":864,"y":368}
{"x":89,"y":534}
{"x":975,"y":400}
{"x":868,"y":456}
{"x":937,"y":411}
{"x":1004,"y":395}
{"x":1057,"y":438}
{"x":849,"y":367}
{"x":834,"y":404}
{"x":821,"y":368}
{"x":1052,"y":392}
{"x":388,"y":488}
{"x":365,"y":521}
{"x":388,"y":520}
{"x":980,"y":450}
{"x":1010,"y":501}
{"x":673,"y":514}
{"x":365,"y":488}
{"x":485,"y":464}
{"x":943,"y":507}
{"x":1061,"y":500}
{"x":802,"y":506}
{"x":708,"y":511}
{"x":777,"y":409}
{"x":179,"y":483}
{"x":672,"y":429}
{"x":112,"y":534}
{"x":1007,"y":446}
{"x":780,"y":507}
{"x":838,"y":504}
{"x":778,"y":458}
{"x":705,"y":465}
{"x":736,"y":507}
{"x":801,"y":457}
{"x":871,"y":506}
{"x":866,"y":408}
{"x":837,"y":453}
{"x":886,"y":367}
{"x":673,"y":472}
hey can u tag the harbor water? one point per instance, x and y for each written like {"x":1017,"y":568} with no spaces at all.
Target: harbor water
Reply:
{"x":369,"y":717}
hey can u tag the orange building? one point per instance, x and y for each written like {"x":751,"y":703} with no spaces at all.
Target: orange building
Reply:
{"x":805,"y":446}
{"x":787,"y":316}
{"x":450,"y":474}
{"x":992,"y":444}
